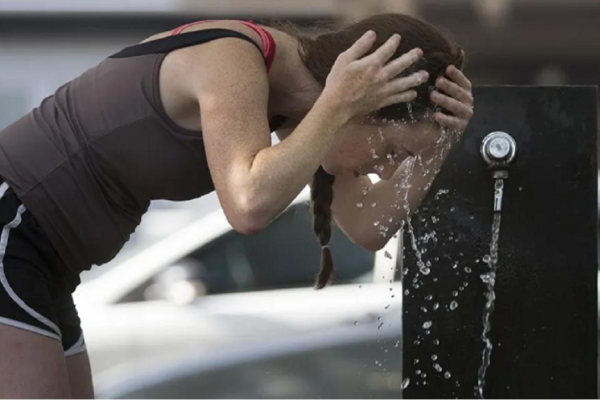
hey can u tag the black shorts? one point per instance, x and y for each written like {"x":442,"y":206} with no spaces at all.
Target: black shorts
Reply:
{"x":35,"y":286}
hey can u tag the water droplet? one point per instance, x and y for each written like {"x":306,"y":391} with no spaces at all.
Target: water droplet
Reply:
{"x":423,"y":309}
{"x":429,"y":298}
{"x":380,"y":326}
{"x":417,"y":342}
{"x":435,"y":279}
{"x":406,"y":292}
{"x":434,"y":357}
{"x":455,"y":265}
{"x":423,"y":375}
{"x":375,"y":223}
{"x":467,"y":270}
{"x":427,"y":332}
{"x":452,"y":209}
{"x":455,"y":293}
{"x":436,"y":342}
{"x":437,"y":367}
{"x":373,"y":205}
{"x":520,"y":188}
{"x":436,"y":306}
{"x":427,"y":325}
{"x":487,"y":259}
{"x":416,"y":361}
{"x":359,"y":286}
{"x":447,"y":375}
{"x":405,"y":383}
{"x":453,"y":305}
{"x":359,"y":205}
{"x":386,"y":307}
{"x":472,"y":217}
{"x":487,"y":278}
{"x":387,"y":255}
{"x":418,"y":372}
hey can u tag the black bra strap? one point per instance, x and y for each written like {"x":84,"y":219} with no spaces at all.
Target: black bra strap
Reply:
{"x":170,"y":43}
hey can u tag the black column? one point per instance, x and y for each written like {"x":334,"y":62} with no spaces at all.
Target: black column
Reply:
{"x":544,"y":329}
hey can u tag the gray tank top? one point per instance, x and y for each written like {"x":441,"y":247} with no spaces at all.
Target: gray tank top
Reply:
{"x":88,"y":161}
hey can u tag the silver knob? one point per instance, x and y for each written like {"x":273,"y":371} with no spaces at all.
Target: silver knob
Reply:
{"x":498,"y":148}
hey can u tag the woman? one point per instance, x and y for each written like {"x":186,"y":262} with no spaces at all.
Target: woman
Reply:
{"x":183,"y":114}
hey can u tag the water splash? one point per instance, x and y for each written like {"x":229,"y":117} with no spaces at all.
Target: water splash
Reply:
{"x":490,"y":280}
{"x":405,"y":383}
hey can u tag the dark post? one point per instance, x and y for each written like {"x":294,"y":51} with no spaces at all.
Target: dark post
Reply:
{"x":544,"y":329}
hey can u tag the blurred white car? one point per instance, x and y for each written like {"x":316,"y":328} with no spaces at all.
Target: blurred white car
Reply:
{"x":207,"y":287}
{"x":342,"y":362}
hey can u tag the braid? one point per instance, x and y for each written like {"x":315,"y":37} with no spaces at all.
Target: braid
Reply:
{"x":321,"y":199}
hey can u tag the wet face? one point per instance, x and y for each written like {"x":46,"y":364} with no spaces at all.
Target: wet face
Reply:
{"x":378,"y":147}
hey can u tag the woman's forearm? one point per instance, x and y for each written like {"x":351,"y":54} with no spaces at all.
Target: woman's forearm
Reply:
{"x":279,"y":173}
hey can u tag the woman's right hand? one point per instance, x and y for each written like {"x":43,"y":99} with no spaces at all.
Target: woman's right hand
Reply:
{"x":360,"y":86}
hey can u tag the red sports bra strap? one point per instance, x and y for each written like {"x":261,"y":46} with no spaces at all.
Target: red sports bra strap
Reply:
{"x":267,"y":39}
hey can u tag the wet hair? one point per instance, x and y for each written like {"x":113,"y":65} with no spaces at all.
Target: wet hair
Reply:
{"x":319,"y":47}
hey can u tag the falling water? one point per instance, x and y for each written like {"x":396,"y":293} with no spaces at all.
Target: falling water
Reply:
{"x":490,"y":280}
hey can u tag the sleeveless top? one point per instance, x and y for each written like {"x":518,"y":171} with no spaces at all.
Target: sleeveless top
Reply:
{"x":89,"y":159}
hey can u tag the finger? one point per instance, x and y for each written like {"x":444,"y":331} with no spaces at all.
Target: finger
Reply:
{"x":450,"y":121}
{"x":401,"y":84}
{"x":360,"y":47}
{"x":458,"y":77}
{"x":455,"y":91}
{"x":397,"y":66}
{"x":384,"y":52}
{"x":403,"y":97}
{"x":454,"y":106}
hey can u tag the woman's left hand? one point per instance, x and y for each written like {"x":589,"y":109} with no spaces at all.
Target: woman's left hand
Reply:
{"x":454,"y":94}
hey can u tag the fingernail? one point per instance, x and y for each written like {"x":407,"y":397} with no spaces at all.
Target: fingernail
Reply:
{"x":370,"y":34}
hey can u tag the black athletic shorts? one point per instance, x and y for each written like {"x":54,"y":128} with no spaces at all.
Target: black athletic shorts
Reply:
{"x":35,"y":286}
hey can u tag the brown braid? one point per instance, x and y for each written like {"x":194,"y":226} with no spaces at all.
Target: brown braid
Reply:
{"x":321,"y":199}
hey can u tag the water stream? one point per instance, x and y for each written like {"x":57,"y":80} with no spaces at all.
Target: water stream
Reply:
{"x":489,"y":278}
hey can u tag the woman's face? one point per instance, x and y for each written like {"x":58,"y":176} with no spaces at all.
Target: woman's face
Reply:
{"x":365,"y":146}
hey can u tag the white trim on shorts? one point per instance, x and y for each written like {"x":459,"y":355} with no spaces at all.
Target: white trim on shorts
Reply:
{"x":78,"y":347}
{"x":22,"y":325}
{"x":3,"y":242}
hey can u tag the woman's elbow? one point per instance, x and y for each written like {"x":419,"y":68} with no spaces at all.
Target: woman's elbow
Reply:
{"x":244,"y":218}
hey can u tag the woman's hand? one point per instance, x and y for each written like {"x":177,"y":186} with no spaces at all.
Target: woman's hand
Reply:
{"x":361,"y":86}
{"x":456,"y":97}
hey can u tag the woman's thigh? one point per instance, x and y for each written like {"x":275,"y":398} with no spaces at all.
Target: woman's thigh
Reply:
{"x":80,"y":376}
{"x":39,"y":325}
{"x":32,"y":366}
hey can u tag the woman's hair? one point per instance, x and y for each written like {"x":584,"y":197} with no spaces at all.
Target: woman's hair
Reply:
{"x":319,"y":47}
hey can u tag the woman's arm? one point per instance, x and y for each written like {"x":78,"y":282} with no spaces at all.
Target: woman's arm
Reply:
{"x":254,"y":181}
